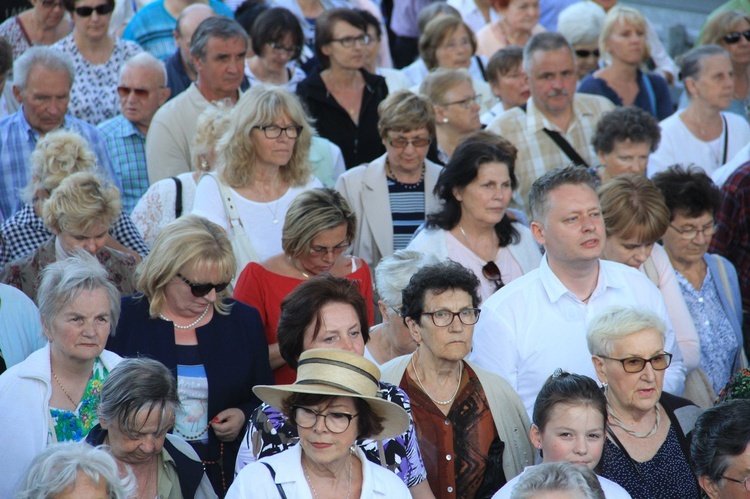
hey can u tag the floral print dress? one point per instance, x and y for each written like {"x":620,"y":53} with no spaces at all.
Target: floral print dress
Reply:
{"x":74,"y":426}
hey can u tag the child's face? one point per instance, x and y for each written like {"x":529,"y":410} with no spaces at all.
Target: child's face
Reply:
{"x":574,"y":433}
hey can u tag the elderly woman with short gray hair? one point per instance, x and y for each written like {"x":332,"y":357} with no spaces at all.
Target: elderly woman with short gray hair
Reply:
{"x":52,"y":396}
{"x":648,"y":446}
{"x":138,"y":403}
{"x":581,"y":23}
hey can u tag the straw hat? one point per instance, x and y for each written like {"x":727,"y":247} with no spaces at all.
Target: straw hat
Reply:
{"x":339,"y":373}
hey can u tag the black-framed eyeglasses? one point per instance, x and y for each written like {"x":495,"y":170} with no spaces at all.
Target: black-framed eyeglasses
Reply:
{"x":585,"y":54}
{"x":465,"y":103}
{"x":200,"y":290}
{"x":283,"y":48}
{"x":274,"y":131}
{"x":690,"y":234}
{"x":351,"y":41}
{"x":637,"y":364}
{"x":334,"y":250}
{"x":444,"y":318}
{"x":491,"y":272}
{"x":102,"y":10}
{"x":745,"y":483}
{"x":336,"y":422}
{"x":734,"y":36}
{"x":403,"y":143}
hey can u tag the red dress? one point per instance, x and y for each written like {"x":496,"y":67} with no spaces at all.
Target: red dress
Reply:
{"x":265,"y":290}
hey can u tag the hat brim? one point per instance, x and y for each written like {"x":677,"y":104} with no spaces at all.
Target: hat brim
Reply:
{"x":395,"y":418}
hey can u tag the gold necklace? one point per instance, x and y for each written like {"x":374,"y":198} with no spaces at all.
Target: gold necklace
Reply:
{"x":291,"y":262}
{"x":439,"y":402}
{"x":63,"y":389}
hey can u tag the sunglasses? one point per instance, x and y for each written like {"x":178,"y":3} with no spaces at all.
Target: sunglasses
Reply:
{"x":734,"y":36}
{"x":585,"y":54}
{"x":201,"y":290}
{"x":492,"y":273}
{"x":141,"y":93}
{"x":101,"y":10}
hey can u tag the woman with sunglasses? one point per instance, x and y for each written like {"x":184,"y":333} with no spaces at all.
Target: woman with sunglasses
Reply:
{"x":400,"y":182}
{"x":318,"y":229}
{"x":703,"y":133}
{"x":474,"y":226}
{"x":214,"y":346}
{"x":647,"y":449}
{"x":98,"y":59}
{"x":45,"y":23}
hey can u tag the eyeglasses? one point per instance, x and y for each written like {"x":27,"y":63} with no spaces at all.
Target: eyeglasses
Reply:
{"x":734,"y":36}
{"x":336,"y":422}
{"x":745,"y":483}
{"x":324,"y":250}
{"x":200,"y":290}
{"x":350,"y":41}
{"x":141,"y":93}
{"x":102,"y":10}
{"x":492,"y":273}
{"x":690,"y":234}
{"x":274,"y":131}
{"x":443,"y":318}
{"x":585,"y":54}
{"x":51,"y":4}
{"x":466,"y":103}
{"x":403,"y":143}
{"x":637,"y":364}
{"x":283,"y":48}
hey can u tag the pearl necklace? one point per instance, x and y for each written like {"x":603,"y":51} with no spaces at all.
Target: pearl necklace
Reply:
{"x":315,"y":492}
{"x":192,"y":324}
{"x":627,"y":430}
{"x":439,"y":402}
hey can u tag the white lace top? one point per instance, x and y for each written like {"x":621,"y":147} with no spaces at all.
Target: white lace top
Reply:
{"x":157,"y":206}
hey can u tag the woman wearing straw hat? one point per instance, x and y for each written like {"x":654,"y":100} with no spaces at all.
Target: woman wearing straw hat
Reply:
{"x":333,"y":403}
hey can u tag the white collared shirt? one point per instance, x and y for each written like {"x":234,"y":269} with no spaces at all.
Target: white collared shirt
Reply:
{"x":535,"y":324}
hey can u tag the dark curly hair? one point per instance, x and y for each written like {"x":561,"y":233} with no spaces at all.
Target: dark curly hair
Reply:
{"x":624,"y":124}
{"x":438,"y":279}
{"x":688,"y":190}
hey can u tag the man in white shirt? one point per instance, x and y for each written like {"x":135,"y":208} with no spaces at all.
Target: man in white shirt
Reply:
{"x":538,"y":322}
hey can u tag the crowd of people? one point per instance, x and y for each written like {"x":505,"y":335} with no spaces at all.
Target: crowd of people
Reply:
{"x":339,"y":248}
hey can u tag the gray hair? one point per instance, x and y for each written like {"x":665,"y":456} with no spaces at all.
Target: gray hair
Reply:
{"x":58,"y":466}
{"x":581,"y":22}
{"x":691,"y":62}
{"x":540,"y":189}
{"x":63,"y":280}
{"x":393,"y":273}
{"x":547,"y":41}
{"x":615,"y":323}
{"x":145,"y":60}
{"x":558,"y":477}
{"x":134,"y":386}
{"x":49,"y":58}
{"x":218,"y":27}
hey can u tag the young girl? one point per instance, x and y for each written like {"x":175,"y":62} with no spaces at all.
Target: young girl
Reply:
{"x":569,"y":416}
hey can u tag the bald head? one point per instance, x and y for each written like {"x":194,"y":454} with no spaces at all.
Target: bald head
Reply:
{"x":188,"y":21}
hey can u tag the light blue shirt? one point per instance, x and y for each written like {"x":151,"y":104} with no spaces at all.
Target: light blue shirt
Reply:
{"x":127,"y":148}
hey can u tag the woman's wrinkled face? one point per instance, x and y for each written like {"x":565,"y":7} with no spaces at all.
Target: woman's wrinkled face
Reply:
{"x":633,"y":393}
{"x":631,"y":251}
{"x":587,"y":58}
{"x":80,"y":330}
{"x":321,"y":445}
{"x":460,"y":108}
{"x":49,"y":13}
{"x":454,"y":51}
{"x":512,"y":87}
{"x":452,"y":342}
{"x":626,"y":157}
{"x":325,"y":248}
{"x":574,"y":433}
{"x":522,"y":15}
{"x":274,"y":152}
{"x":181,"y":301}
{"x":715,"y":83}
{"x":147,"y":441}
{"x":403,"y":151}
{"x":339,"y":328}
{"x":683,"y":251}
{"x":485,"y":198}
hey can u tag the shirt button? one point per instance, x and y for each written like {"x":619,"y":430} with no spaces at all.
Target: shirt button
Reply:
{"x":450,"y":489}
{"x":700,"y":300}
{"x":448,"y":457}
{"x":707,"y":323}
{"x":447,"y":422}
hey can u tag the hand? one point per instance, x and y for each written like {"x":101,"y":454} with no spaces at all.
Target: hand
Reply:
{"x":228,"y":423}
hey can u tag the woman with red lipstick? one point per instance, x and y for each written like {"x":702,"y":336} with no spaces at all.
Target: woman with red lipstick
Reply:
{"x":647,"y":449}
{"x":473,"y":226}
{"x":318,"y":229}
{"x":624,"y":48}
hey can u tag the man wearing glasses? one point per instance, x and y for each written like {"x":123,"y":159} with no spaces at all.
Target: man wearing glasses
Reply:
{"x":538,"y":322}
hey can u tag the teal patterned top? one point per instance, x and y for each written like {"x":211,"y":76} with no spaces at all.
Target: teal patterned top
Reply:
{"x":74,"y":426}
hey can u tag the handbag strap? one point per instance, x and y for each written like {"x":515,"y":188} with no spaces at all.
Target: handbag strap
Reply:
{"x":563,"y":144}
{"x":481,"y":67}
{"x":178,"y":197}
{"x":650,"y":91}
{"x":725,"y":281}
{"x":726,"y":139}
{"x":273,"y":475}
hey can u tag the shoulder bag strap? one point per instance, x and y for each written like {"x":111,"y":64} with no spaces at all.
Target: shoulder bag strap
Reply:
{"x":725,"y":281}
{"x":178,"y":197}
{"x":726,"y":139}
{"x":563,"y":144}
{"x":650,"y":91}
{"x":273,"y":475}
{"x":481,"y":67}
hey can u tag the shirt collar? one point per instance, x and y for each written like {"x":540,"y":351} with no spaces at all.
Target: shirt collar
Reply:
{"x":536,"y":121}
{"x":555,"y":289}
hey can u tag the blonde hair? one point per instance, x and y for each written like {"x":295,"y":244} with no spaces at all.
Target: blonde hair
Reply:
{"x":718,"y":26}
{"x":188,"y":243}
{"x":82,"y":201}
{"x":632,"y":206}
{"x":261,"y":105}
{"x":441,"y":81}
{"x":404,"y":111}
{"x":620,"y":14}
{"x":211,"y":125}
{"x":436,"y":31}
{"x":57,"y":155}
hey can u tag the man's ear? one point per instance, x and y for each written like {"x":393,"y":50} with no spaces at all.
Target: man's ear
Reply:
{"x":18,"y":94}
{"x":164,"y":94}
{"x":537,"y":230}
{"x":708,"y":485}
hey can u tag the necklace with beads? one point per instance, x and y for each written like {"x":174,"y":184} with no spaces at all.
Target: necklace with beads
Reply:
{"x":439,"y":402}
{"x":395,"y":179}
{"x":192,"y":324}
{"x":627,"y":430}
{"x":315,"y":492}
{"x":192,"y":437}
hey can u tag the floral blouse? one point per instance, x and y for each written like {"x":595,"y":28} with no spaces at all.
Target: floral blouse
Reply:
{"x":74,"y":426}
